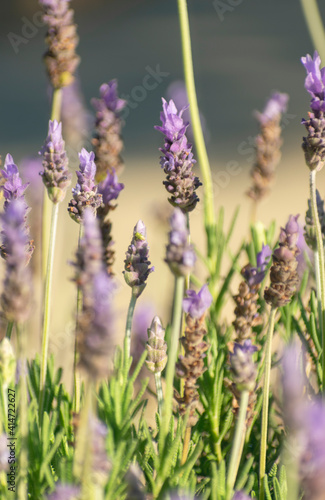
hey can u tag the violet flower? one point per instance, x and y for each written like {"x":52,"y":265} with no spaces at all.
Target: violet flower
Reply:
{"x":275,"y":106}
{"x":314,"y":144}
{"x":255,"y":275}
{"x":85,"y":194}
{"x":56,"y":176}
{"x":13,"y":187}
{"x":242,"y":366}
{"x":196,"y":304}
{"x":180,"y":255}
{"x":107,"y":141}
{"x":16,"y":295}
{"x":136,"y":262}
{"x":110,"y":189}
{"x":65,"y":492}
{"x":60,"y":59}
{"x":76,"y":119}
{"x":177,"y":160}
{"x":101,"y":466}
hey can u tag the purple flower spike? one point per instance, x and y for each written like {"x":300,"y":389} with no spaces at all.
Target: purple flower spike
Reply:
{"x":55,"y":175}
{"x":196,"y":304}
{"x":65,"y":492}
{"x":315,"y":80}
{"x":275,"y":107}
{"x":242,"y":366}
{"x":110,"y":188}
{"x":180,"y":255}
{"x":177,"y":159}
{"x":136,"y":262}
{"x":13,"y":188}
{"x":255,"y":275}
{"x":107,"y":141}
{"x":16,"y":296}
{"x":85,"y":193}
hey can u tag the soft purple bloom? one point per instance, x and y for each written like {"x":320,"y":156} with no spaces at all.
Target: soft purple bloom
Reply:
{"x":173,"y":125}
{"x":141,"y":321}
{"x":255,"y":275}
{"x":275,"y":107}
{"x":101,"y":466}
{"x":293,"y":383}
{"x":242,"y":366}
{"x":136,"y":262}
{"x":110,"y":188}
{"x":196,"y":304}
{"x":77,"y":121}
{"x":65,"y":492}
{"x":315,"y":81}
{"x":180,"y":255}
{"x":109,"y":98}
{"x":13,"y":187}
{"x":85,"y":194}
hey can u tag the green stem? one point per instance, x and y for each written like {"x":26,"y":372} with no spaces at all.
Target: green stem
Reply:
{"x":10,"y":327}
{"x":321,"y":268}
{"x":210,"y":221}
{"x":186,"y":444}
{"x":76,"y":373}
{"x":315,"y":26}
{"x":23,"y":419}
{"x":266,"y":393}
{"x":237,"y":445}
{"x":160,"y":397}
{"x":172,"y":357}
{"x":47,"y":306}
{"x":318,"y":292}
{"x":128,"y":329}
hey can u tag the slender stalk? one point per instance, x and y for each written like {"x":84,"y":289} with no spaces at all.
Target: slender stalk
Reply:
{"x":55,"y":115}
{"x":160,"y":396}
{"x":76,"y":373}
{"x":128,"y":328}
{"x":172,"y":356}
{"x":266,"y":393}
{"x":47,"y":305}
{"x":321,"y":268}
{"x":315,"y":25}
{"x":10,"y":327}
{"x":318,"y":288}
{"x":187,"y":439}
{"x":237,"y":445}
{"x":23,"y":419}
{"x":210,"y":221}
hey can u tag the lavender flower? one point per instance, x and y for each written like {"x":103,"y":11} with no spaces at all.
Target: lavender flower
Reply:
{"x":56,"y":176}
{"x":177,"y":160}
{"x":242,"y":366}
{"x":293,"y":383}
{"x":314,"y":144}
{"x":60,"y":59}
{"x":180,"y":254}
{"x":85,"y":193}
{"x":16,"y":295}
{"x":136,"y":262}
{"x":107,"y":141}
{"x":255,"y":275}
{"x":156,"y":347}
{"x":96,"y":321}
{"x":268,"y":144}
{"x":142,"y":318}
{"x":196,"y":304}
{"x":110,"y":189}
{"x":101,"y":466}
{"x":283,"y":275}
{"x":65,"y":492}
{"x":13,"y":187}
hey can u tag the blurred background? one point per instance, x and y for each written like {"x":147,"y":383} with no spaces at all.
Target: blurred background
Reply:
{"x":241,"y":54}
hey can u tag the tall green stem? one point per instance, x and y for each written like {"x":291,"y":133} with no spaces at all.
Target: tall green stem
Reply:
{"x":321,"y":269}
{"x":210,"y":221}
{"x":237,"y":445}
{"x":318,"y":288}
{"x":76,"y":373}
{"x":315,"y":26}
{"x":172,"y":356}
{"x":266,"y":393}
{"x":128,"y":329}
{"x":23,"y":419}
{"x":160,"y":397}
{"x":47,"y":305}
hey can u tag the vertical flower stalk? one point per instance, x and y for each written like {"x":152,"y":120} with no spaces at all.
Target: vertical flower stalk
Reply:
{"x":180,"y":258}
{"x":157,"y":355}
{"x":284,"y":281}
{"x":56,"y":179}
{"x":177,"y":159}
{"x":268,"y":144}
{"x":244,"y":375}
{"x":209,"y":212}
{"x":136,"y":271}
{"x":314,"y":148}
{"x":107,"y":142}
{"x":315,"y":25}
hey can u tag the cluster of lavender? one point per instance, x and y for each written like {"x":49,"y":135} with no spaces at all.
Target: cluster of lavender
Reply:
{"x":60,"y":59}
{"x":191,"y":366}
{"x":268,"y":145}
{"x":177,"y":159}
